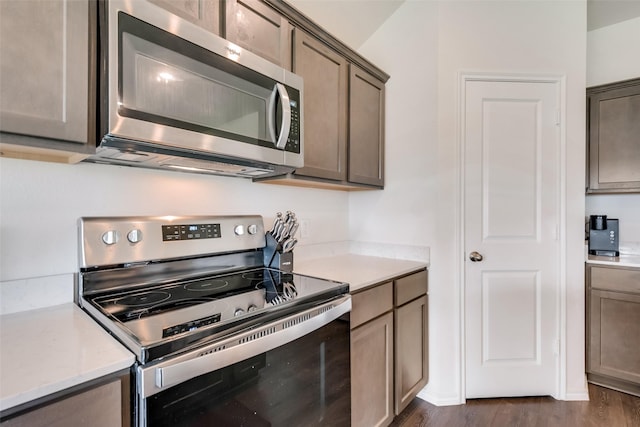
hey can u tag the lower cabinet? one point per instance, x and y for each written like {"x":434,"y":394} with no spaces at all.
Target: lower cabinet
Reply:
{"x":102,"y":404}
{"x":613,"y":327}
{"x":410,"y":338}
{"x":372,"y":372}
{"x":389,"y":350}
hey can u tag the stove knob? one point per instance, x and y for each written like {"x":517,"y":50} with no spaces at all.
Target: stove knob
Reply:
{"x":238,"y":312}
{"x":252,"y":229}
{"x":239,"y":230}
{"x":134,"y":236}
{"x":251,"y":308}
{"x":110,"y":237}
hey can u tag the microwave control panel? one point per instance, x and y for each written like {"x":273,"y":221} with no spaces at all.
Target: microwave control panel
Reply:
{"x":293,"y":141}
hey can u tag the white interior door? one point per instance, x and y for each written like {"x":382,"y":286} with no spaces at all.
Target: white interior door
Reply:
{"x":511,"y":143}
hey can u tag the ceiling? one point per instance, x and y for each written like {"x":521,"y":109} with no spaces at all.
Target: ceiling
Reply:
{"x":351,"y":21}
{"x":601,"y":13}
{"x":354,"y":21}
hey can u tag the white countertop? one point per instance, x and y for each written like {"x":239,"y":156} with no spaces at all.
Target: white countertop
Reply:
{"x":48,"y":350}
{"x":624,"y":260}
{"x":359,"y":271}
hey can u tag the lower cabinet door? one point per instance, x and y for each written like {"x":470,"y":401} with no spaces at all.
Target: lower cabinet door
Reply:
{"x":100,"y":406}
{"x":411,"y":355}
{"x":372,"y":373}
{"x":615,"y":335}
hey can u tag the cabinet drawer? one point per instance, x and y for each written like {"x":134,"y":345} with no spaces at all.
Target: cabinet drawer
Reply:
{"x":615,"y":279}
{"x":371,"y":303}
{"x":410,"y":287}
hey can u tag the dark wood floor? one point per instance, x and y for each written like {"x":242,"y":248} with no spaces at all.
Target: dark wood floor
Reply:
{"x":605,"y":408}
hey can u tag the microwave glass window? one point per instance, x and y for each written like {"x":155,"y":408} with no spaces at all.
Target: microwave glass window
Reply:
{"x":161,"y":83}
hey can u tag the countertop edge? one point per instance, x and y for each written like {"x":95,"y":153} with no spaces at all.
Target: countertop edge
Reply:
{"x":366,"y":285}
{"x":632,"y":261}
{"x":359,"y":271}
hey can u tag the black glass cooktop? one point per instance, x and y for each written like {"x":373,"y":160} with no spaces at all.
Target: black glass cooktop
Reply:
{"x":167,"y":317}
{"x":277,"y":286}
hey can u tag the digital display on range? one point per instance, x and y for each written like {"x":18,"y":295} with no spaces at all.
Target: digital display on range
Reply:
{"x":190,"y":232}
{"x":190,"y":326}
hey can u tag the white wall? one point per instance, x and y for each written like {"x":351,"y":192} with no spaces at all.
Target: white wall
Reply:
{"x":612,"y":53}
{"x":424,"y":46}
{"x":407,"y":212}
{"x":613,"y":56}
{"x":625,"y":207}
{"x":40,"y":204}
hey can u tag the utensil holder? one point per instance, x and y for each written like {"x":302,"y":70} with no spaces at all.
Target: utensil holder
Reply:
{"x":274,"y":257}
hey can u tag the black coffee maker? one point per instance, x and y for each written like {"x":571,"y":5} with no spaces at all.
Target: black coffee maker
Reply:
{"x":603,"y":236}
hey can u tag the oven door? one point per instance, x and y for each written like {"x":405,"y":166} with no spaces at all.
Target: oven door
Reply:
{"x":291,"y":372}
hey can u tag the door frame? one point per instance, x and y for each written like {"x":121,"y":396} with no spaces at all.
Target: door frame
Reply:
{"x":561,"y":296}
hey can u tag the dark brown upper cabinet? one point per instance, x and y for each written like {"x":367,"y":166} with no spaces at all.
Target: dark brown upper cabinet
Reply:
{"x":366,"y":128}
{"x":203,"y":13}
{"x":325,"y":75}
{"x":257,"y":27}
{"x":47,"y":101}
{"x":614,"y":137}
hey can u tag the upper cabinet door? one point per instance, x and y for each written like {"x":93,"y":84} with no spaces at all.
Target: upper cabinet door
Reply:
{"x":366,"y":128}
{"x":45,"y":69}
{"x":614,"y":138}
{"x":325,"y":76}
{"x":203,"y":13}
{"x":253,"y":25}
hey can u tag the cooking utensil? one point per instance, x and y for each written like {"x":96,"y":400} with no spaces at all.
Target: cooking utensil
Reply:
{"x":276,"y":221}
{"x":294,"y":228}
{"x":289,"y":290}
{"x":289,"y":244}
{"x":277,"y":232}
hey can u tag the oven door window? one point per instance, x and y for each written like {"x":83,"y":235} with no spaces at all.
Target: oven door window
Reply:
{"x":303,"y":383}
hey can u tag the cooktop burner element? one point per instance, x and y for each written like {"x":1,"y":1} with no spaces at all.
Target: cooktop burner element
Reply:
{"x":160,"y":296}
{"x":143,"y":300}
{"x":175,"y":296}
{"x":207,"y":285}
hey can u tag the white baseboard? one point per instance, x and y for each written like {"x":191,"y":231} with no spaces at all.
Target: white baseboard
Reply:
{"x":440,"y":400}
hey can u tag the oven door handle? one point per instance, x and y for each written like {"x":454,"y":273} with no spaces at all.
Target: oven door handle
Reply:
{"x":240,"y":347}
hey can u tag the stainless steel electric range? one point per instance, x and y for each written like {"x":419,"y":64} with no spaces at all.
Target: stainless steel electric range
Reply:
{"x":219,"y":338}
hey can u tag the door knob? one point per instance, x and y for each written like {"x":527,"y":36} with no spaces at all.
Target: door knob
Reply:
{"x":475,"y":256}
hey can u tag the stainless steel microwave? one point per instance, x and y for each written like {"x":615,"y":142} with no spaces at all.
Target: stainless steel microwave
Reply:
{"x":176,"y":96}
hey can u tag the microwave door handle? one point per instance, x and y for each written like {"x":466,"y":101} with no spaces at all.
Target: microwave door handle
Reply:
{"x":279,"y":93}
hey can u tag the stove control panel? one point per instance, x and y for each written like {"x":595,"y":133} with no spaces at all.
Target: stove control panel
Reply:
{"x":190,"y":326}
{"x":190,"y":232}
{"x":106,"y":241}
